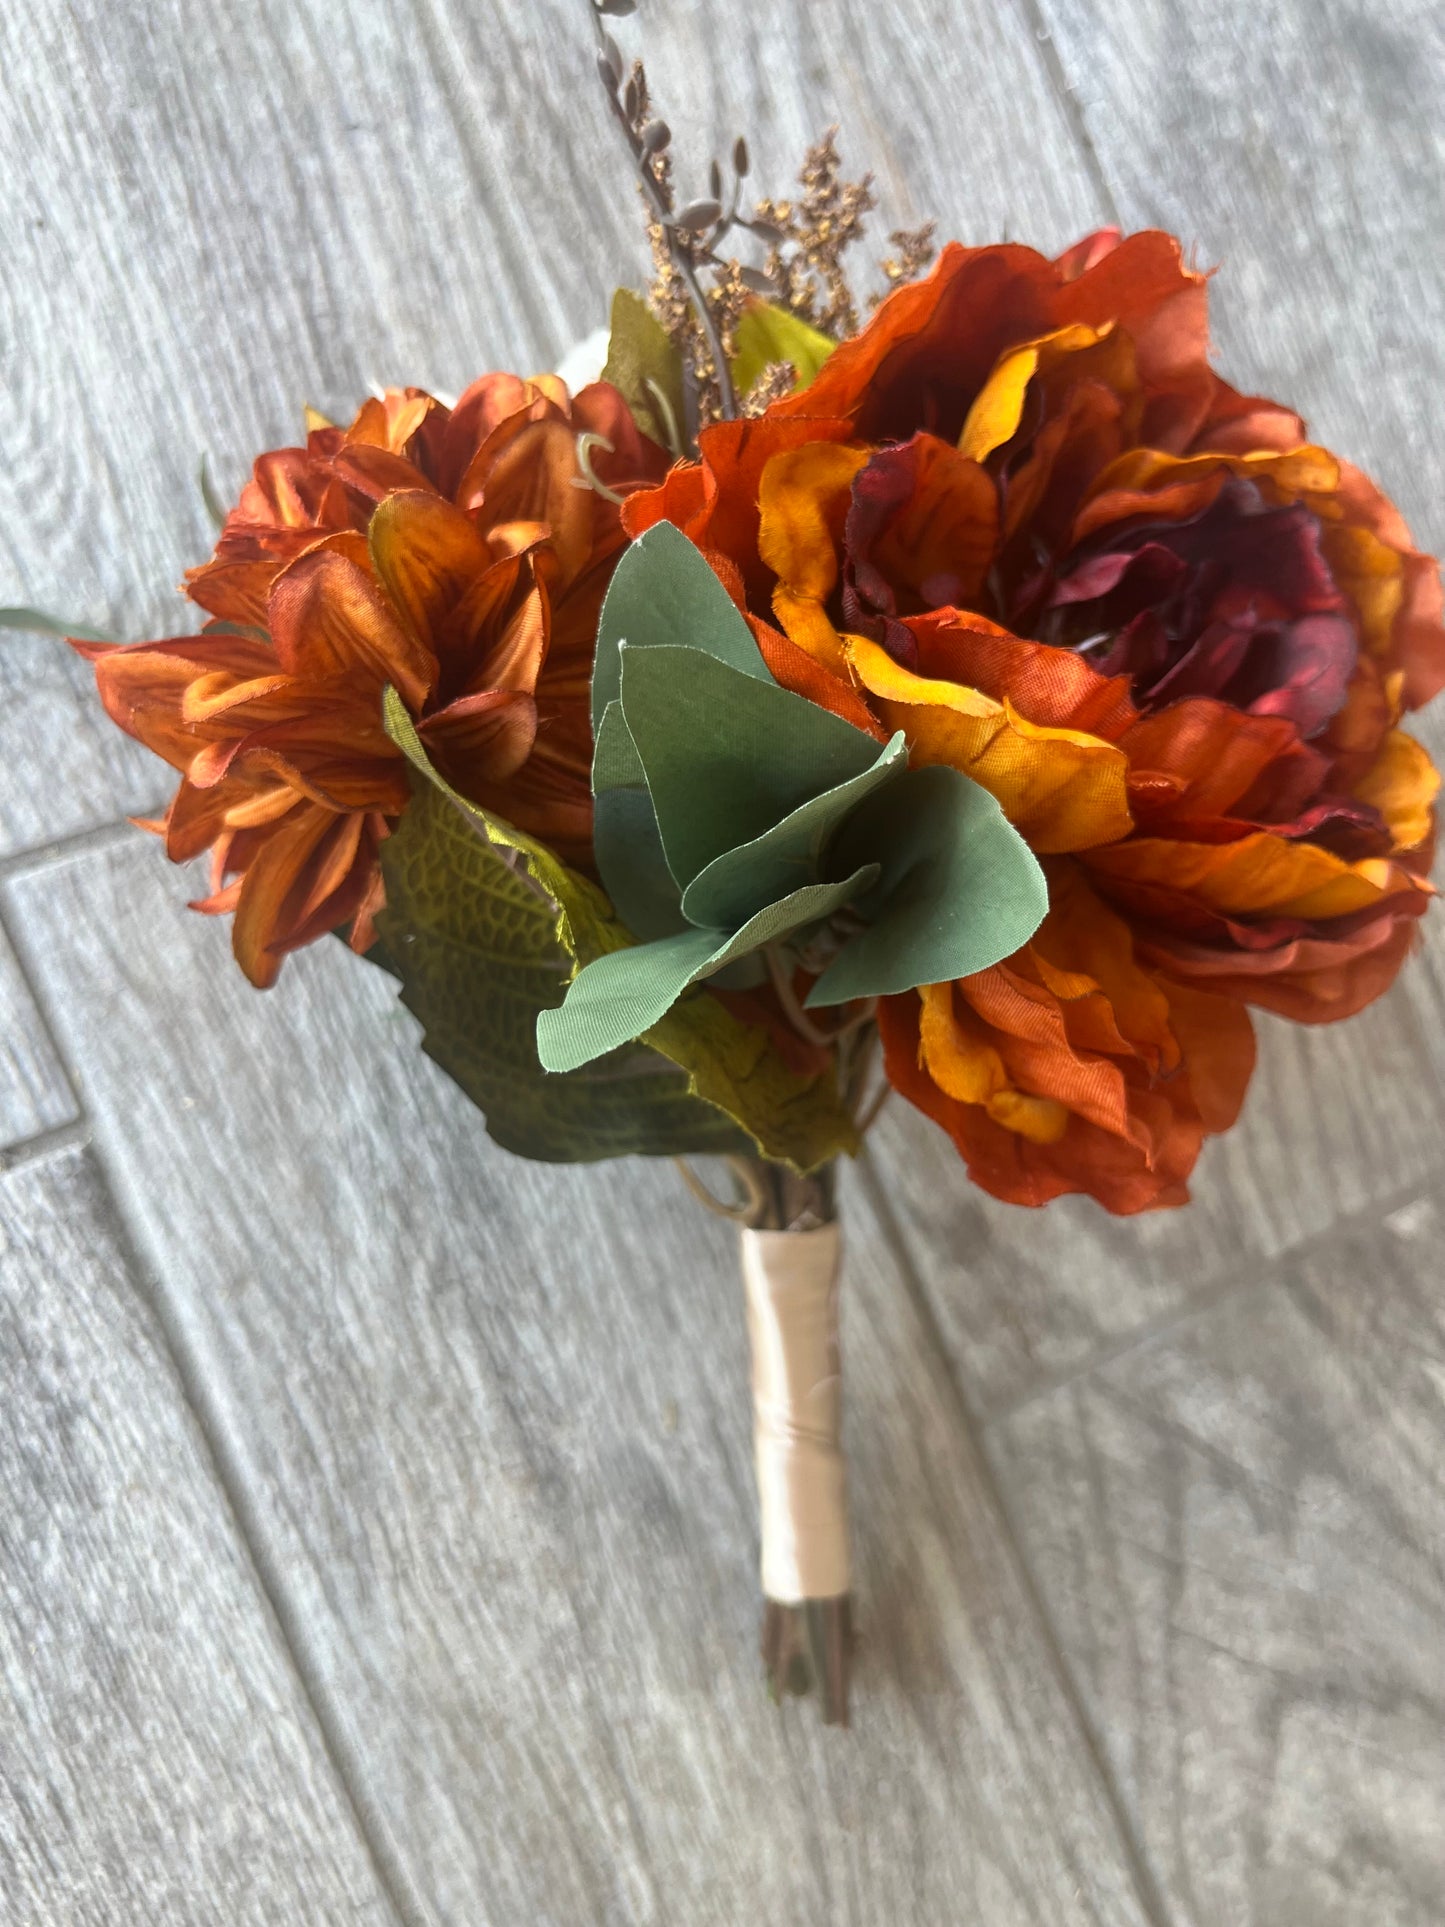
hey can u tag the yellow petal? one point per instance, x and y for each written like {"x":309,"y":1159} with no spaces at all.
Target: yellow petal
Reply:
{"x":999,"y":406}
{"x":1062,"y":789}
{"x":1402,"y":784}
{"x":1260,"y":874}
{"x":803,"y":498}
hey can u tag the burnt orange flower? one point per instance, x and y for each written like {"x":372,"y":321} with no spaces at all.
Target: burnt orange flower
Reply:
{"x":1021,"y":518}
{"x":458,"y":554}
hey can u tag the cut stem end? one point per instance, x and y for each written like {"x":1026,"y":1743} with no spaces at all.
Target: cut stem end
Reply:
{"x":807,"y":1648}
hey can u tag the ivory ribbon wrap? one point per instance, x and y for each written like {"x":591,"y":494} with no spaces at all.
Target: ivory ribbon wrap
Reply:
{"x":791,"y":1279}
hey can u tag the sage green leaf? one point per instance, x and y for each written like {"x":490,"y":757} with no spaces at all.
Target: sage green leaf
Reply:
{"x":789,"y":853}
{"x":646,"y":368}
{"x":959,"y":889}
{"x":768,"y":334}
{"x":629,"y":854}
{"x":621,"y":996}
{"x":615,"y":761}
{"x":662,"y":591}
{"x":485,"y":894}
{"x":626,"y":843}
{"x":726,"y":754}
{"x":36,"y":622}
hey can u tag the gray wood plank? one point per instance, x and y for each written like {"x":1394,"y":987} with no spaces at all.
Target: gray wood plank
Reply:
{"x":159,"y":1763}
{"x":34,"y":1094}
{"x":1237,"y":1531}
{"x":492,"y":1421}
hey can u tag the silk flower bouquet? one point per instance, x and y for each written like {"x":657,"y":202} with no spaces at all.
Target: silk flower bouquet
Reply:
{"x":980,"y":700}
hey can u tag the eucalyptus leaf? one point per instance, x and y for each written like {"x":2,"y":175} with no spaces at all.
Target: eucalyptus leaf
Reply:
{"x":663,"y":593}
{"x":622,"y":995}
{"x":959,"y":889}
{"x":728,"y":755}
{"x":735,"y":821}
{"x":797,"y":847}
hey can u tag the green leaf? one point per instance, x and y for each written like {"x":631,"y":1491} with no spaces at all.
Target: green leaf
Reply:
{"x":626,"y":842}
{"x":662,"y":591}
{"x":646,"y":368}
{"x":36,"y":622}
{"x":623,"y":995}
{"x":767,"y":334}
{"x":959,"y":888}
{"x":484,"y":942}
{"x":791,"y":851}
{"x":727,"y":755}
{"x":475,"y":943}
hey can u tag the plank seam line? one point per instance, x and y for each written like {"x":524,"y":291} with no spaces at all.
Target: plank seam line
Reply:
{"x":40,"y":1143}
{"x":1264,"y":1273}
{"x":1034,"y":17}
{"x":341,"y":1754}
{"x":343,"y":1758}
{"x":1147,"y":1891}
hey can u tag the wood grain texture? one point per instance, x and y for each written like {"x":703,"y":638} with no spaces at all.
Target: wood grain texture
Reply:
{"x":492,"y":1421}
{"x":1336,"y":1119}
{"x":34,"y":1094}
{"x":158,"y":1760}
{"x":1237,"y":1530}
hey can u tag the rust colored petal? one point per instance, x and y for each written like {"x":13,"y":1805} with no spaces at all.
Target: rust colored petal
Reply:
{"x":484,"y":738}
{"x":328,"y":617}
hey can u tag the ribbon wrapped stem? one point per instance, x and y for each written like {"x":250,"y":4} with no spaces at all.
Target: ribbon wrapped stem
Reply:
{"x":791,"y":1260}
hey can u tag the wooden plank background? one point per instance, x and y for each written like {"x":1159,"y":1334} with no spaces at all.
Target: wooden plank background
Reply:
{"x":375,"y":1521}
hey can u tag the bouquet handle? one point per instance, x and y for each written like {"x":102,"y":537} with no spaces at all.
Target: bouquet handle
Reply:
{"x":791,"y":1264}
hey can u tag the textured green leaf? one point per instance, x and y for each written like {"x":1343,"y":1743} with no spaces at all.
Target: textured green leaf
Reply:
{"x":485,"y":941}
{"x":726,"y":754}
{"x":767,"y":334}
{"x":647,"y":369}
{"x":36,"y":622}
{"x":959,"y":888}
{"x":475,"y":943}
{"x":663,"y":591}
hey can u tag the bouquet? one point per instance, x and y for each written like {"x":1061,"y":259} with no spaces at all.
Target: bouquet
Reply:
{"x":974,"y":697}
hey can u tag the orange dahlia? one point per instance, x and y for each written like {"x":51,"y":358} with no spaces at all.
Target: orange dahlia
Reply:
{"x":1021,"y":518}
{"x":459,"y":554}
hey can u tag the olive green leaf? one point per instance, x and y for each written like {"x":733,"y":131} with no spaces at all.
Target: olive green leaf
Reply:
{"x":646,"y":368}
{"x":766,"y":334}
{"x":484,"y":926}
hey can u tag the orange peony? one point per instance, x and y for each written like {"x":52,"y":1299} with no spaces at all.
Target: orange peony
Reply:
{"x":1021,"y":518}
{"x":459,"y":554}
